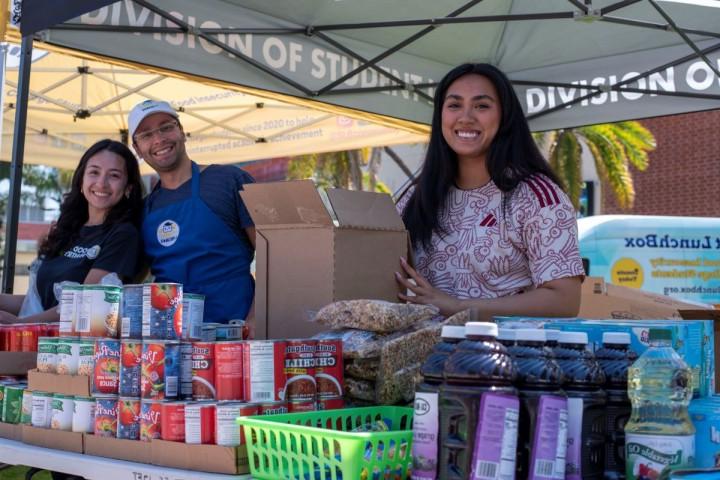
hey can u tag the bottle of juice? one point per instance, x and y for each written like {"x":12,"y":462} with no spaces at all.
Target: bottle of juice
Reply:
{"x":542,"y":438}
{"x":659,"y":437}
{"x":478,"y":409}
{"x":614,"y":358}
{"x":426,"y":418}
{"x":587,"y":421}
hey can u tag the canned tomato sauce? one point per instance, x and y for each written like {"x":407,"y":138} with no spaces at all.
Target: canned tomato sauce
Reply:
{"x":107,"y":366}
{"x":130,"y":367}
{"x":186,"y":374}
{"x":300,"y":370}
{"x":162,"y":311}
{"x":229,"y":370}
{"x":200,"y":423}
{"x":160,"y":370}
{"x":203,"y":370}
{"x":264,"y":367}
{"x":150,"y":420}
{"x":132,"y":312}
{"x":128,"y":418}
{"x":106,"y":416}
{"x":172,"y":421}
{"x":329,"y":374}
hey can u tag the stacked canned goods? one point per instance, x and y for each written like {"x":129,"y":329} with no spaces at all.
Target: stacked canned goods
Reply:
{"x":24,"y":337}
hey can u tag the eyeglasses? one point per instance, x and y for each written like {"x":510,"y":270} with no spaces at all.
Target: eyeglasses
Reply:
{"x":163,"y":130}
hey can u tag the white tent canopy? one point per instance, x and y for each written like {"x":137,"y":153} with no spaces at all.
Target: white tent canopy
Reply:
{"x":74,"y":102}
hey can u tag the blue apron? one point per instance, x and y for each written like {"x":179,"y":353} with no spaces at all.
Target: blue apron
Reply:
{"x":187,"y":243}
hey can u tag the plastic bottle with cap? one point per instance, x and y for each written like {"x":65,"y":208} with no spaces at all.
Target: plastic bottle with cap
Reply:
{"x":542,"y":439}
{"x":587,"y":420}
{"x":615,"y":357}
{"x":478,"y":408}
{"x":426,"y":419}
{"x":659,"y":436}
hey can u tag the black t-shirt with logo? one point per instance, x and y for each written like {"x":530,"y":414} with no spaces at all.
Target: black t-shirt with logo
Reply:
{"x":114,"y":248}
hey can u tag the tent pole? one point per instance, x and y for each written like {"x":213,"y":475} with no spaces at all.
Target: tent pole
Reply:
{"x":18,"y":151}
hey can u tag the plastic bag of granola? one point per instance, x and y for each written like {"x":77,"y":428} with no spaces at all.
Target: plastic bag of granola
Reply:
{"x":373,"y":315}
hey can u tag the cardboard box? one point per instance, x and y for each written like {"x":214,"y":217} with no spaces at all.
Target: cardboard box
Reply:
{"x":11,"y":431}
{"x":305,"y":259}
{"x":56,"y":383}
{"x":203,"y":458}
{"x":601,"y":300}
{"x":17,"y":363}
{"x":129,"y":450}
{"x":57,"y":439}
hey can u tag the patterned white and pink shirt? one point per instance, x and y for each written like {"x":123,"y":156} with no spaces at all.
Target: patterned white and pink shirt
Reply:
{"x":485,"y":254}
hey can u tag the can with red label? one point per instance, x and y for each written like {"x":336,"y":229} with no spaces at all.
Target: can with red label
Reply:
{"x":150,"y":422}
{"x":227,"y":432}
{"x":106,"y":375}
{"x":264,"y":367}
{"x":186,"y":350}
{"x":160,"y":370}
{"x":200,"y":423}
{"x":30,"y":335}
{"x":296,"y":406}
{"x":15,"y":338}
{"x":130,"y":367}
{"x":4,"y":338}
{"x":300,"y":370}
{"x":52,"y":330}
{"x":128,"y":418}
{"x":172,"y":421}
{"x":162,"y":311}
{"x":272,"y":408}
{"x":329,"y":375}
{"x":229,"y":370}
{"x":203,"y":371}
{"x":106,"y":416}
{"x":330,"y":403}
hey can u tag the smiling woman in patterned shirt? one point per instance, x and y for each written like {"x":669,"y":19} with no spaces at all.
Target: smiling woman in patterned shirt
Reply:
{"x":491,"y":228}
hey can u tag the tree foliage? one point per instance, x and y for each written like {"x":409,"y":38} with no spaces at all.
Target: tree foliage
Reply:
{"x":349,"y":169}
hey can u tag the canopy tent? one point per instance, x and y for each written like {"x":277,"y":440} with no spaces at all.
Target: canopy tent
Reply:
{"x":573,"y":62}
{"x":74,"y":102}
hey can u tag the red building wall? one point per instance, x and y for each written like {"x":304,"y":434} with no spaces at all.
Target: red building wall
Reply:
{"x":683,"y":176}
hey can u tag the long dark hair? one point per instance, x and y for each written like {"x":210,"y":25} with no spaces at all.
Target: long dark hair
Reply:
{"x":74,"y":208}
{"x":512,"y":157}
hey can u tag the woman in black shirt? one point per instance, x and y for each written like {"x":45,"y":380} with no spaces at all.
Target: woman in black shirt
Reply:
{"x":96,"y":233}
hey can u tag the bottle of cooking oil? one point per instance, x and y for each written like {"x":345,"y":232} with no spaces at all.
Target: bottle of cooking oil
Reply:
{"x":659,"y":437}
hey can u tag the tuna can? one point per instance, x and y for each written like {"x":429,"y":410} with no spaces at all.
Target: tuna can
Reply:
{"x":26,"y":408}
{"x":86,"y":357}
{"x":296,"y":406}
{"x":193,"y":312}
{"x":12,"y":403}
{"x":300,"y":370}
{"x":203,"y":371}
{"x":200,"y":423}
{"x":272,"y":408}
{"x":129,"y":409}
{"x":172,"y":420}
{"x":160,"y":370}
{"x":62,"y":412}
{"x":130,"y":368}
{"x":162,"y":311}
{"x":229,"y":370}
{"x":264,"y":367}
{"x":186,"y":372}
{"x":227,"y":432}
{"x":329,"y":375}
{"x":83,"y":420}
{"x":68,"y":355}
{"x":107,"y":367}
{"x":106,"y":416}
{"x":330,"y":403}
{"x":150,"y":425}
{"x":131,"y":312}
{"x":41,"y":409}
{"x":47,"y":354}
{"x":70,"y":299}
{"x":99,"y":313}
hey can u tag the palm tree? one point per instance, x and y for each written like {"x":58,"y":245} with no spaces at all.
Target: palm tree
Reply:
{"x":340,"y":169}
{"x":613,"y":146}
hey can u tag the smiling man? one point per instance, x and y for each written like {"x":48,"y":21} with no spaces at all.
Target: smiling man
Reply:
{"x":196,"y":229}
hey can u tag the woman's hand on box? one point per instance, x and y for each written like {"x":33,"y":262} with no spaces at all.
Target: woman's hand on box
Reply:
{"x":423,"y":293}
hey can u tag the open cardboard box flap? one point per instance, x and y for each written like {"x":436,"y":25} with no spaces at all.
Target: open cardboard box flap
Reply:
{"x":364,"y":210}
{"x":285,"y":203}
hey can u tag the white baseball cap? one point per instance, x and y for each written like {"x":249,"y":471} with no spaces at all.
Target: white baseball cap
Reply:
{"x":145,"y":109}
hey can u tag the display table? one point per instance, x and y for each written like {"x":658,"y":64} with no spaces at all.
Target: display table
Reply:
{"x":96,"y":468}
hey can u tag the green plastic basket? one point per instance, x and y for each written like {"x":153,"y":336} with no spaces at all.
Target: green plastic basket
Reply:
{"x":321,"y":445}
